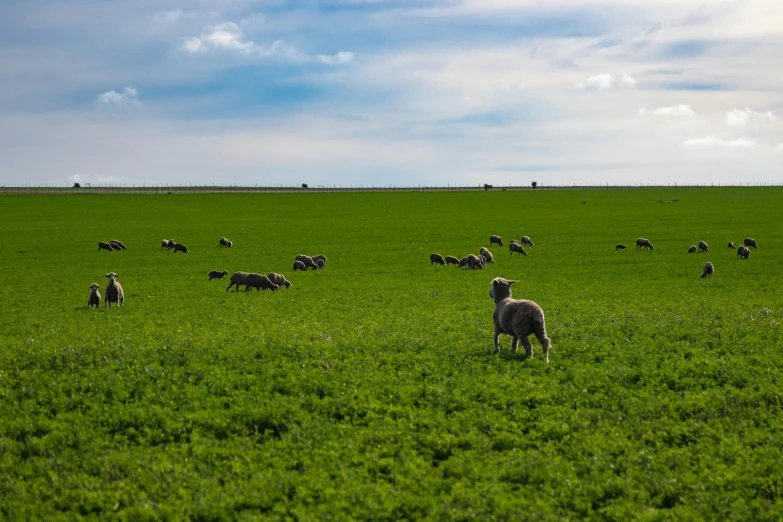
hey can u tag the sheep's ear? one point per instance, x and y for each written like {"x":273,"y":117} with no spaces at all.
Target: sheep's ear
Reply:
{"x":513,"y":282}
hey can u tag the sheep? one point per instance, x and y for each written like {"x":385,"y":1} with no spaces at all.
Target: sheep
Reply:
{"x":708,"y":270}
{"x":437,"y":258}
{"x":518,"y":318}
{"x":102,"y":245}
{"x":644,"y":243}
{"x":495,"y":239}
{"x":94,"y":298}
{"x":237,"y":279}
{"x":279,"y":279}
{"x":320,"y":256}
{"x":217,"y":274}
{"x":172,"y":244}
{"x":743,"y":251}
{"x":692,"y":249}
{"x":259,"y":282}
{"x":321,"y":263}
{"x":526,"y":241}
{"x":114,"y":293}
{"x":750,"y":242}
{"x":619,"y":247}
{"x":223,"y":242}
{"x":117,"y":243}
{"x":703,"y":247}
{"x":487,"y":255}
{"x":307,"y":260}
{"x":230,"y":244}
{"x":463,"y":262}
{"x":179,"y":247}
{"x":731,"y":245}
{"x":164,"y":243}
{"x":515,"y":247}
{"x":480,"y":262}
{"x":298,"y":265}
{"x":451,"y":260}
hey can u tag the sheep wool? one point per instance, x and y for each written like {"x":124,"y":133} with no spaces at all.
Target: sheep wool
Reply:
{"x":437,"y":258}
{"x":644,"y":243}
{"x":102,"y":245}
{"x":320,"y":256}
{"x":743,"y":251}
{"x":451,"y":260}
{"x":495,"y":239}
{"x":750,"y":242}
{"x":237,"y":279}
{"x":692,"y":249}
{"x":708,"y":270}
{"x":298,"y":265}
{"x":259,"y":282}
{"x":94,"y":299}
{"x":703,"y":247}
{"x":114,"y":293}
{"x":515,"y":247}
{"x":217,"y":274}
{"x":619,"y":247}
{"x":526,"y":241}
{"x":518,"y":318}
{"x":279,"y":279}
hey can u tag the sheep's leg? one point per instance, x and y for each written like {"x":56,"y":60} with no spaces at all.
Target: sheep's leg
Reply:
{"x":497,"y":345}
{"x":527,"y":345}
{"x":546,"y":344}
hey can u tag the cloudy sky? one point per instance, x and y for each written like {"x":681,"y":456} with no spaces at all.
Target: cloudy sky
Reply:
{"x":381,"y":92}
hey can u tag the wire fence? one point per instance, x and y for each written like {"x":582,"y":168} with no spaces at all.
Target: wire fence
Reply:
{"x":255,"y":189}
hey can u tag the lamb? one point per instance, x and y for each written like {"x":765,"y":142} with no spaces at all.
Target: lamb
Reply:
{"x":750,"y":242}
{"x":526,"y":241}
{"x":298,"y":265}
{"x":708,"y":270}
{"x":320,"y":256}
{"x":518,"y":318}
{"x":487,"y":255}
{"x":164,"y":243}
{"x":451,"y":260}
{"x":114,"y":293}
{"x":437,"y":258}
{"x":692,"y":249}
{"x":307,"y":260}
{"x":321,"y":263}
{"x":217,"y":274}
{"x":237,"y":279}
{"x":731,"y":245}
{"x":279,"y":279}
{"x":515,"y":247}
{"x":703,"y":247}
{"x":259,"y":282}
{"x":223,"y":242}
{"x":644,"y":243}
{"x":117,"y":243}
{"x":179,"y":247}
{"x":94,"y":298}
{"x":619,"y":247}
{"x":743,"y":251}
{"x":495,"y":239}
{"x":102,"y":245}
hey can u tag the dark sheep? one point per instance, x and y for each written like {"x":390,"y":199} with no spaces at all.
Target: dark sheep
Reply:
{"x":487,"y":255}
{"x":495,"y":239}
{"x":619,"y":247}
{"x":223,"y":242}
{"x":102,"y":245}
{"x":451,"y":260}
{"x":179,"y":247}
{"x":518,"y":318}
{"x":644,"y":243}
{"x":703,"y":247}
{"x":217,"y":274}
{"x":321,"y":263}
{"x":731,"y":245}
{"x":750,"y":242}
{"x":307,"y":260}
{"x":526,"y":241}
{"x":94,"y":299}
{"x":515,"y":247}
{"x":298,"y":265}
{"x":164,"y":243}
{"x":708,"y":270}
{"x":320,"y":256}
{"x":117,"y":243}
{"x":259,"y":282}
{"x":692,"y":249}
{"x":279,"y":279}
{"x":437,"y":258}
{"x":743,"y":251}
{"x":237,"y":279}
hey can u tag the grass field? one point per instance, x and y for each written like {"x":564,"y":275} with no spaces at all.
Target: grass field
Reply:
{"x":369,"y":390}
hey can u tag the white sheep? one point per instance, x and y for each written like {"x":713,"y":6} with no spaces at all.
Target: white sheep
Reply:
{"x":518,"y":318}
{"x":114,"y":293}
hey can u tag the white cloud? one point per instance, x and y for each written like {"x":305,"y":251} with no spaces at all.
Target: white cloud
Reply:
{"x":606,"y":82}
{"x":128,"y":96}
{"x":676,"y":110}
{"x":738,"y":117}
{"x":333,"y":59}
{"x":712,"y":141}
{"x":168,"y":17}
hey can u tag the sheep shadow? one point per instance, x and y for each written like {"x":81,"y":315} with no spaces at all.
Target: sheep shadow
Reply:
{"x":509,"y":356}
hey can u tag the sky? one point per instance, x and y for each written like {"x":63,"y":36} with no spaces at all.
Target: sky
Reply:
{"x":379,"y":92}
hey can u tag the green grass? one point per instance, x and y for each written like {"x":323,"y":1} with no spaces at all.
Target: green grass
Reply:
{"x":369,"y":390}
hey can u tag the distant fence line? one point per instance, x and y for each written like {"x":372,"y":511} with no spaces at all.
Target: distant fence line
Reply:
{"x":225,"y":189}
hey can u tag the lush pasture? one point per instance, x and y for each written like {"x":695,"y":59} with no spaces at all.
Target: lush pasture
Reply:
{"x":369,"y":390}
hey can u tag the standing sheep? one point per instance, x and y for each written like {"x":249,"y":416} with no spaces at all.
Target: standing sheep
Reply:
{"x":451,"y":260}
{"x":731,"y":245}
{"x":750,"y":242}
{"x":518,"y":318}
{"x":179,"y":247}
{"x":117,"y":243}
{"x":279,"y":279}
{"x":515,"y":247}
{"x":172,"y":244}
{"x":237,"y":279}
{"x":526,"y":241}
{"x":259,"y":282}
{"x":164,"y":243}
{"x":114,"y":293}
{"x":703,"y":247}
{"x":217,"y":274}
{"x":298,"y":265}
{"x":644,"y":243}
{"x":743,"y":251}
{"x":437,"y":258}
{"x":102,"y":245}
{"x":487,"y":255}
{"x":692,"y":249}
{"x":94,"y":299}
{"x":495,"y":239}
{"x":708,"y":270}
{"x":619,"y":247}
{"x":320,"y":256}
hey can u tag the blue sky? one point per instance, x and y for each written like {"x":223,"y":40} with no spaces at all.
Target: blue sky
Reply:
{"x":380,"y":93}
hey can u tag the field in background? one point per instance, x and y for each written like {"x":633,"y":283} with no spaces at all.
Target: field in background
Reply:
{"x":369,"y":390}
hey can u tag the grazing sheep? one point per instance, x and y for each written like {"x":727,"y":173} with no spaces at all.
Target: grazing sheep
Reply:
{"x":114,"y":293}
{"x":708,"y":270}
{"x":179,"y":247}
{"x":172,"y":244}
{"x":619,"y":247}
{"x":515,"y":247}
{"x":526,"y":241}
{"x":298,"y":265}
{"x":583,"y":202}
{"x":750,"y":242}
{"x":692,"y":249}
{"x":237,"y":279}
{"x":518,"y":318}
{"x":94,"y":299}
{"x":495,"y":239}
{"x":451,"y":260}
{"x":102,"y":245}
{"x":743,"y":251}
{"x":164,"y":243}
{"x":481,"y":262}
{"x":279,"y":279}
{"x":223,"y":242}
{"x":217,"y":274}
{"x":703,"y":247}
{"x":487,"y":255}
{"x":307,"y":260}
{"x":731,"y":245}
{"x":463,"y":262}
{"x":229,"y":244}
{"x":660,"y":201}
{"x":321,"y":263}
{"x":320,"y":256}
{"x":117,"y":243}
{"x":259,"y":282}
{"x":437,"y":258}
{"x":644,"y":243}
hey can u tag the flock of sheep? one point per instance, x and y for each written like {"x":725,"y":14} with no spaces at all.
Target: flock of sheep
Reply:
{"x":478,"y":262}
